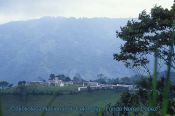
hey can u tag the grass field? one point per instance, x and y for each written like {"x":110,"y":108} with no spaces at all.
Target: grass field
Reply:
{"x":45,"y":89}
{"x":96,"y":98}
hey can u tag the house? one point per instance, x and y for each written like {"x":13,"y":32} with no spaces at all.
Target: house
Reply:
{"x":90,"y":83}
{"x":56,"y":82}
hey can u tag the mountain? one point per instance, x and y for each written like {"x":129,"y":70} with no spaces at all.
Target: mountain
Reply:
{"x":35,"y":48}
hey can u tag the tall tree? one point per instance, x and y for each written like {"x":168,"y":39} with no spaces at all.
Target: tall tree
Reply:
{"x":151,"y":33}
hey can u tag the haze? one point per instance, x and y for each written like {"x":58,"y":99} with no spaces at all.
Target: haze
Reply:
{"x":13,"y":10}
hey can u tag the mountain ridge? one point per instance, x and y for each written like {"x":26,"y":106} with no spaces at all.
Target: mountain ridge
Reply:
{"x":36,"y":48}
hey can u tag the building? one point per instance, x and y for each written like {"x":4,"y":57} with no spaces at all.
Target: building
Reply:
{"x":90,"y":83}
{"x":129,"y":87}
{"x":95,"y":85}
{"x":56,"y":82}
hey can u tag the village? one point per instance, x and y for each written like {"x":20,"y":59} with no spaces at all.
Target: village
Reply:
{"x":63,"y":81}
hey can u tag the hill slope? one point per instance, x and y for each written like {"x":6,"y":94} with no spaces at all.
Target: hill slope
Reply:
{"x":34,"y":48}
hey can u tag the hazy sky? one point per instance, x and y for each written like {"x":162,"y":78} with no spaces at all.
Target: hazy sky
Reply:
{"x":11,"y":10}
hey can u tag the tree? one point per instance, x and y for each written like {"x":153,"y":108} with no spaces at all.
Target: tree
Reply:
{"x":10,"y":85}
{"x":89,"y":89}
{"x":22,"y":90}
{"x":63,"y":78}
{"x":67,"y":79}
{"x":77,"y":78}
{"x":21,"y":83}
{"x":52,"y":77}
{"x":126,"y":80}
{"x":4,"y":84}
{"x":113,"y":81}
{"x":150,"y":34}
{"x":101,"y":78}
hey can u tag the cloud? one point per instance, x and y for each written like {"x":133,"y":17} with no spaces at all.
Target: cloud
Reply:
{"x":25,"y":9}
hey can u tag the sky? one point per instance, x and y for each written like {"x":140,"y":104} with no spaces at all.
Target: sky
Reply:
{"x":14,"y":10}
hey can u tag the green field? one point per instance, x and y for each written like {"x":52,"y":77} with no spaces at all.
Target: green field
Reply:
{"x":43,"y":89}
{"x":95,"y":98}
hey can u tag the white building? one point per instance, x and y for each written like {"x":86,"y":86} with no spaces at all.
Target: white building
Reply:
{"x":56,"y":82}
{"x":95,"y":85}
{"x":90,"y":84}
{"x":130,"y":87}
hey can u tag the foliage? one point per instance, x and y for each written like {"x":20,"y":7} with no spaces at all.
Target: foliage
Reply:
{"x":21,"y":83}
{"x":140,"y":97}
{"x":59,"y":77}
{"x":63,"y":78}
{"x":89,"y":89}
{"x":151,"y":32}
{"x":113,"y":81}
{"x":52,"y":77}
{"x":4,"y":84}
{"x":102,"y":79}
{"x":77,"y":78}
